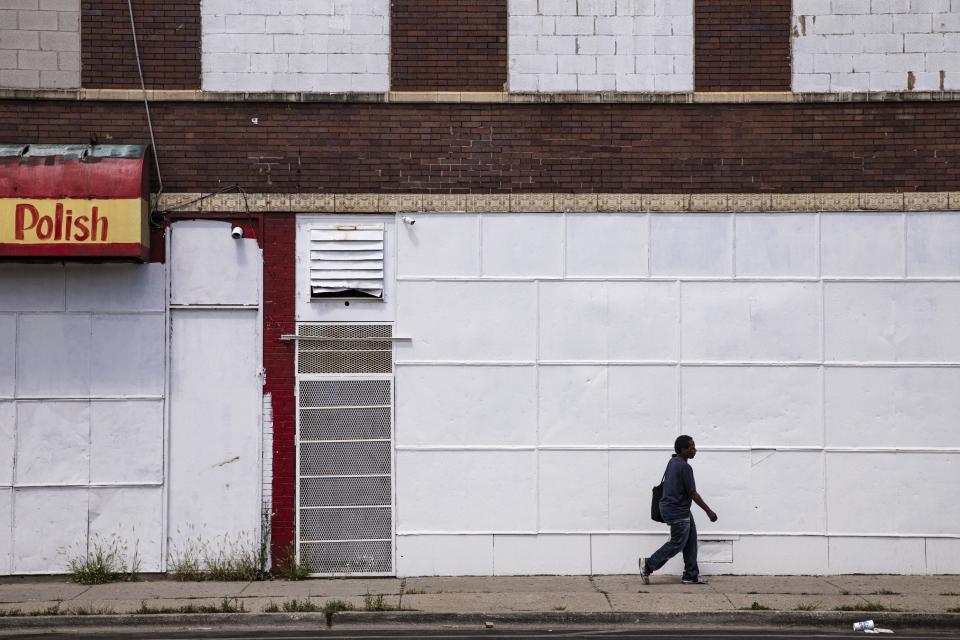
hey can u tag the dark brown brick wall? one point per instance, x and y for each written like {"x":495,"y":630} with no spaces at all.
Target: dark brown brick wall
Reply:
{"x":742,"y":45}
{"x":449,"y":148}
{"x":168,"y":33}
{"x":448,"y":45}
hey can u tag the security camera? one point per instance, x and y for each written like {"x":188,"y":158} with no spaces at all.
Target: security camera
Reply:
{"x":409,"y":220}
{"x":236,"y":233}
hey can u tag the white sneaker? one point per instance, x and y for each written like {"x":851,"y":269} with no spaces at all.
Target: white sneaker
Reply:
{"x":644,"y":574}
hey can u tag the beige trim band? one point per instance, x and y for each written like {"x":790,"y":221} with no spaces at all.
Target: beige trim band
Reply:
{"x":360,"y":203}
{"x":481,"y":97}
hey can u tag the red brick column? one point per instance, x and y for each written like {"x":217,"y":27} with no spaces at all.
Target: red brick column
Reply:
{"x":742,"y":45}
{"x":279,"y":300}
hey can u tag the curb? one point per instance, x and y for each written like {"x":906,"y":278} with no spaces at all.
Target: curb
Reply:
{"x":833,"y":619}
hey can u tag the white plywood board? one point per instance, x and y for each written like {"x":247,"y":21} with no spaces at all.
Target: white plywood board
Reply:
{"x":943,"y":555}
{"x":899,"y":492}
{"x":541,"y":555}
{"x":439,"y":245}
{"x":933,"y":245}
{"x":574,"y":491}
{"x":8,"y":351}
{"x":53,"y":355}
{"x":467,"y":321}
{"x":129,"y":519}
{"x":753,"y":406}
{"x":338,"y":310}
{"x":862,"y":245}
{"x":618,"y":554}
{"x":8,"y":441}
{"x":444,"y":555}
{"x":525,"y":245}
{"x":573,"y":336}
{"x":126,"y":441}
{"x":776,"y":246}
{"x":642,"y":404}
{"x":34,"y":287}
{"x":6,"y":530}
{"x":877,"y":555}
{"x":464,"y":405}
{"x":889,"y":321}
{"x":458,"y":491}
{"x":211,"y":267}
{"x":127,"y":354}
{"x":102,"y":288}
{"x":573,"y":405}
{"x":214,"y":471}
{"x":644,"y":320}
{"x":892,"y":407}
{"x":53,"y":442}
{"x":780,"y":555}
{"x":751,"y":321}
{"x":61,"y":514}
{"x":606,"y":245}
{"x":691,"y":245}
{"x":632,"y":475}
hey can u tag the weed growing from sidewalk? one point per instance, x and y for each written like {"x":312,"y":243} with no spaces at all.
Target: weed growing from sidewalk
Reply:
{"x":300,"y":606}
{"x":333,"y":607}
{"x":292,"y":569}
{"x":11,"y":613}
{"x":374,"y":602}
{"x":953,"y":610}
{"x":226,"y":558}
{"x":868,"y":606}
{"x":807,"y":607}
{"x":884,"y":592}
{"x":756,"y":606}
{"x":950,"y":593}
{"x":560,"y":608}
{"x":414,"y":592}
{"x":228,"y":605}
{"x":105,"y":561}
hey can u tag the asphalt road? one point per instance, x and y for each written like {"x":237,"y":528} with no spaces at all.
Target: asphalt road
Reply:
{"x":334,"y":633}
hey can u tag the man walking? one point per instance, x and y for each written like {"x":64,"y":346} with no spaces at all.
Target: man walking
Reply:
{"x":679,"y":490}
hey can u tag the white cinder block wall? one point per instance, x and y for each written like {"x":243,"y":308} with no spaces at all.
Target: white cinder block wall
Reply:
{"x":876,"y":45}
{"x":555,"y":357}
{"x":601,"y":45}
{"x":300,"y":45}
{"x":40,"y":44}
{"x":82,"y":371}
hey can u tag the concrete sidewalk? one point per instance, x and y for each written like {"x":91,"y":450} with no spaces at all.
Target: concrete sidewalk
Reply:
{"x":865,"y":596}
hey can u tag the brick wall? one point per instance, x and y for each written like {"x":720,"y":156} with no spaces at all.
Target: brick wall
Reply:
{"x":894,"y":45}
{"x":322,"y":46}
{"x":482,"y":148}
{"x":168,"y":34}
{"x":447,"y":45}
{"x":601,"y":45}
{"x":279,"y":301}
{"x":40,"y":44}
{"x":742,"y":45}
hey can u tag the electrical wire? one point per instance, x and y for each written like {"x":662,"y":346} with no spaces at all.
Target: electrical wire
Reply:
{"x":146,"y":104}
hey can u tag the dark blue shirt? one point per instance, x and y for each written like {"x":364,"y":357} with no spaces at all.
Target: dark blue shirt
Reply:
{"x":678,"y":486}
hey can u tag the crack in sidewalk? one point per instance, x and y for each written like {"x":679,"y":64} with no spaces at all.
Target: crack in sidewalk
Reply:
{"x":597,"y":588}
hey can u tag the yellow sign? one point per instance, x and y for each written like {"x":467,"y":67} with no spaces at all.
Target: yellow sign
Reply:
{"x":54,"y":227}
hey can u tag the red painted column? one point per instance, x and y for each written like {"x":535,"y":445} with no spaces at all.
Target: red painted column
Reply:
{"x":279,"y":300}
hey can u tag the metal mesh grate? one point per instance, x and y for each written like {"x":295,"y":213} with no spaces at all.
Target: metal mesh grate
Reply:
{"x":345,"y":524}
{"x":348,"y":557}
{"x":345,"y":492}
{"x":342,"y":354}
{"x":355,"y":423}
{"x":340,"y":393}
{"x":344,"y":458}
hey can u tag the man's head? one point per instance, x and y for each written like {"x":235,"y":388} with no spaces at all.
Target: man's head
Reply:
{"x":685,"y":447}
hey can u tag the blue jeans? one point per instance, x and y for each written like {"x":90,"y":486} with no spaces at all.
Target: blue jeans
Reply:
{"x":683,"y":537}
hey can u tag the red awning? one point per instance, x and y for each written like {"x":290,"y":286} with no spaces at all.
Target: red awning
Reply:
{"x":73,"y":171}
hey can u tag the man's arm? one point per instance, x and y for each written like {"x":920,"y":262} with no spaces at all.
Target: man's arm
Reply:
{"x":703,"y":505}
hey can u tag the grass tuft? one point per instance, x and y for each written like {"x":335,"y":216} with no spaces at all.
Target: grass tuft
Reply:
{"x":374,"y":602}
{"x":228,"y":605}
{"x":807,"y":607}
{"x":333,"y":607}
{"x":953,"y":610}
{"x":756,"y":606}
{"x":104,"y":561}
{"x":867,"y":606}
{"x":884,"y":592}
{"x":226,"y":558}
{"x":292,"y":569}
{"x":300,"y":606}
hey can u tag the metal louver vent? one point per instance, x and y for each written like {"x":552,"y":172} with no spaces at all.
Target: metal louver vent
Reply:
{"x":346,"y":261}
{"x":346,"y":349}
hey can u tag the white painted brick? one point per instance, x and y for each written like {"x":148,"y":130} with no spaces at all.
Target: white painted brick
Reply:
{"x":890,"y":6}
{"x":850,"y":6}
{"x":597,"y":7}
{"x":913,"y":23}
{"x":929,"y":6}
{"x":654,"y":65}
{"x":934,"y":62}
{"x":927,"y":81}
{"x":8,"y":59}
{"x":672,"y":83}
{"x":539,"y":64}
{"x":8,"y":20}
{"x":613,"y":27}
{"x":523,"y":82}
{"x":673,"y":45}
{"x":568,"y":44}
{"x":615,"y":64}
{"x":674,"y":7}
{"x":635,"y":82}
{"x":947,"y":22}
{"x":883,"y":43}
{"x":68,"y":21}
{"x":802,"y":63}
{"x":850,"y":81}
{"x":557,"y":83}
{"x":642,"y":45}
{"x":522,"y":7}
{"x":811,"y":7}
{"x":874,"y":24}
{"x":906,"y":62}
{"x":282,"y":24}
{"x":41,"y":60}
{"x":54,"y":5}
{"x":19,"y":40}
{"x":268,"y":62}
{"x":867,"y":62}
{"x":558,"y":7}
{"x":594,"y":45}
{"x":521,"y":45}
{"x":238,"y":24}
{"x":923,"y":42}
{"x":833,"y":24}
{"x":226,"y":62}
{"x":888,"y":81}
{"x":37,"y":20}
{"x":681,"y":26}
{"x":579,"y":65}
{"x":59,"y":79}
{"x":575,"y":25}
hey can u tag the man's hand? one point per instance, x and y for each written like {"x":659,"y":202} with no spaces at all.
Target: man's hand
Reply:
{"x":711,"y":515}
